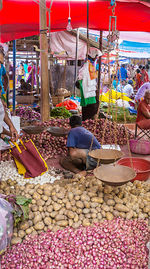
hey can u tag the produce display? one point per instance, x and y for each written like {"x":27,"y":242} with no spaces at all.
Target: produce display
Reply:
{"x":76,"y":223}
{"x":78,"y":201}
{"x":27,"y":113}
{"x":8,"y":171}
{"x":111,"y":244}
{"x":50,"y":146}
{"x":60,"y":112}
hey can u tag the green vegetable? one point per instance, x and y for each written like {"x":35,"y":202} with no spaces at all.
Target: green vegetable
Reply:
{"x":60,"y":112}
{"x":20,"y":206}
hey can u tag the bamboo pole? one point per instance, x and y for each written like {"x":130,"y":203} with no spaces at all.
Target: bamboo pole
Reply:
{"x":45,"y":107}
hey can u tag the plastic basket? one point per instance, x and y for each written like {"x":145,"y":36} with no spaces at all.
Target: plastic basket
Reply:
{"x":140,"y":146}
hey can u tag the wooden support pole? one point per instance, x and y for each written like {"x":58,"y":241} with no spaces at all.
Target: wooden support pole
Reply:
{"x":45,"y":107}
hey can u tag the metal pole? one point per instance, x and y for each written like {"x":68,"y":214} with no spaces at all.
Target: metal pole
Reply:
{"x":100,"y":60}
{"x":76,"y":61}
{"x":14,"y":75}
{"x":87,"y":26}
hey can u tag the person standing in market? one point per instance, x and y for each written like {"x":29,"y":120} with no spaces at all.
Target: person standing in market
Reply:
{"x":122,"y":73}
{"x":20,"y":72}
{"x":25,"y":70}
{"x":79,"y":143}
{"x":87,"y":83}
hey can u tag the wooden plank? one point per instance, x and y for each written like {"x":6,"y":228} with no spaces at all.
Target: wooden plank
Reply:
{"x":45,"y":107}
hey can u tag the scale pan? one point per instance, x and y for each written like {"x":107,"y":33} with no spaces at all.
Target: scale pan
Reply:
{"x":114,"y":175}
{"x":106,"y":155}
{"x":33,"y":129}
{"x":58,"y":131}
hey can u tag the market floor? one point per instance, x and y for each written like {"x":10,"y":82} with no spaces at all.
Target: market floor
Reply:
{"x":55,"y":162}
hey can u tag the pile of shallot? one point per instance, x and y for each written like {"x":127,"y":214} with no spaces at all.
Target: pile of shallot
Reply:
{"x":27,"y":113}
{"x":116,"y":244}
{"x":51,"y":146}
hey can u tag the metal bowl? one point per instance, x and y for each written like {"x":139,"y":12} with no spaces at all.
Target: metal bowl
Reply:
{"x":106,"y":156}
{"x":33,"y":129}
{"x":58,"y":131}
{"x":114,"y":175}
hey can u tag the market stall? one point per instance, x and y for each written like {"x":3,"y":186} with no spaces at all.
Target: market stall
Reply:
{"x":77,"y":221}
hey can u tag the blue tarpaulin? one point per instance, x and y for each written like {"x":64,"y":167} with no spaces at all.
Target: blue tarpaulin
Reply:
{"x":135,"y":46}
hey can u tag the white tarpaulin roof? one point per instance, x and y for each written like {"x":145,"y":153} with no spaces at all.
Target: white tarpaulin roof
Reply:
{"x":62,"y":42}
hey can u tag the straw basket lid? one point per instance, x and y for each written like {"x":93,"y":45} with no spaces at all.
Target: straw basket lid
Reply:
{"x":110,"y":155}
{"x":58,"y":131}
{"x":33,"y":129}
{"x":114,"y":175}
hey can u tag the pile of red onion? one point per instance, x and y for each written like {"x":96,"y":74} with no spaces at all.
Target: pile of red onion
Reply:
{"x":50,"y":146}
{"x":116,"y":244}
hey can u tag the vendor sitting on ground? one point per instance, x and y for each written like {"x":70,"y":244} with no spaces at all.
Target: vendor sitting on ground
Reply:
{"x":78,"y":143}
{"x":25,"y":87}
{"x":143,"y":114}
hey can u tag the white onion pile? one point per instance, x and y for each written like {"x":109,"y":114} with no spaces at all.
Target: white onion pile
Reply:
{"x":8,"y":171}
{"x":116,"y":244}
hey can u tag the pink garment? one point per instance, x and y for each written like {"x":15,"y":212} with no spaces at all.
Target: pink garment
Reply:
{"x":144,"y":124}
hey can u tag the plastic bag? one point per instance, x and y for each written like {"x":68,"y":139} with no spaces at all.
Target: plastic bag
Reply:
{"x":6,"y":224}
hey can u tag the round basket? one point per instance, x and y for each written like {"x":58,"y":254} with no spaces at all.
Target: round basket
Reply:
{"x":106,"y":156}
{"x":114,"y":175}
{"x":33,"y":129}
{"x":58,"y":131}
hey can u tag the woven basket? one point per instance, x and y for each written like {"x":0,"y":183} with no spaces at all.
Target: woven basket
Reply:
{"x":114,"y":175}
{"x":57,"y":99}
{"x":106,"y":156}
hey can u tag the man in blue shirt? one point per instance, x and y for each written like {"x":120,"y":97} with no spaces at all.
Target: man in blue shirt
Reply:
{"x":78,"y":144}
{"x":122,"y":72}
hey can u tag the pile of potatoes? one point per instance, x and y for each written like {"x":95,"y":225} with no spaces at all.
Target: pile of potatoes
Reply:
{"x":78,"y":201}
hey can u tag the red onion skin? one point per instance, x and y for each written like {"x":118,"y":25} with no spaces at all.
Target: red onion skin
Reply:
{"x":112,"y":244}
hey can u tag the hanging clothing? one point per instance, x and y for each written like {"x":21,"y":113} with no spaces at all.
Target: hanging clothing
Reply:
{"x":88,"y":84}
{"x":85,"y":101}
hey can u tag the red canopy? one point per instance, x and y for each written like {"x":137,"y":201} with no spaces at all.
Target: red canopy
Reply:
{"x":21,"y":18}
